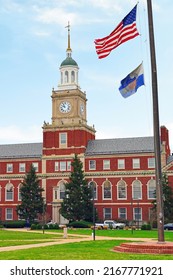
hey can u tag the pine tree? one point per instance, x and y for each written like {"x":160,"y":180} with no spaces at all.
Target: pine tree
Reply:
{"x":167,"y":199}
{"x":31,"y":197}
{"x":77,"y":204}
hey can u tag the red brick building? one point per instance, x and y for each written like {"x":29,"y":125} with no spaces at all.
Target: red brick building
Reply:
{"x":122,"y":171}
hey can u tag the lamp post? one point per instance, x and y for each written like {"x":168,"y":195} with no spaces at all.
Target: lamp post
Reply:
{"x":132,"y":215}
{"x":138,"y":213}
{"x":92,"y":185}
{"x":44,"y":208}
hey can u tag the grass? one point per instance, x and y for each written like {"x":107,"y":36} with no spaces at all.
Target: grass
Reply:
{"x":85,"y":250}
{"x":93,"y":250}
{"x":124,"y":233}
{"x":11,"y":238}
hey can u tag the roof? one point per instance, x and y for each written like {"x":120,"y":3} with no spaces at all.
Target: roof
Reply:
{"x":120,"y":145}
{"x":170,"y":159}
{"x":26,"y":150}
{"x":69,"y":61}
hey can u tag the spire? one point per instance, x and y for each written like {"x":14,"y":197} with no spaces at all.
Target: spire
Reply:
{"x":69,"y":50}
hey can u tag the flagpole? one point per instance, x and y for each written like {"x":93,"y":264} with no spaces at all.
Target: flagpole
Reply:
{"x":156,"y":128}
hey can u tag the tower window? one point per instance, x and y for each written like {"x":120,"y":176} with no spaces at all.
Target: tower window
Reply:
{"x":66,"y":76}
{"x":72,"y":76}
{"x":63,"y":140}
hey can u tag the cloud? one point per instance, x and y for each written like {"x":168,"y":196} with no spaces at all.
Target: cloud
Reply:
{"x":54,"y":15}
{"x":9,"y":6}
{"x":15,"y":134}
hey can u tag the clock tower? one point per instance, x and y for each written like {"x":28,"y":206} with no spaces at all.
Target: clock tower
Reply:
{"x":69,"y":131}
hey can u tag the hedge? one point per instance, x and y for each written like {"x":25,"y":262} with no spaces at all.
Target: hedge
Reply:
{"x":14,"y":224}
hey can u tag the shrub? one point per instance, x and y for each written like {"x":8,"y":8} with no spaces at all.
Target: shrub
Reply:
{"x":146,"y":227}
{"x":80,"y":224}
{"x":51,"y":226}
{"x":14,"y":224}
{"x":46,"y":227}
{"x":56,"y":226}
{"x":38,"y":226}
{"x":33,"y":226}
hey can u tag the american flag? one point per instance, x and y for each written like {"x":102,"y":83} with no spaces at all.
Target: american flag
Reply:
{"x":125,"y":31}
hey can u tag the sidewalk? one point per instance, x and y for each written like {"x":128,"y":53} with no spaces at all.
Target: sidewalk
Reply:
{"x":74,"y":238}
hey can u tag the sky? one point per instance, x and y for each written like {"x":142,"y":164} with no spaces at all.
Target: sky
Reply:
{"x":33,"y":45}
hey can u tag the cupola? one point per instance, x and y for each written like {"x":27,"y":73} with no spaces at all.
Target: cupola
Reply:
{"x":69,"y":69}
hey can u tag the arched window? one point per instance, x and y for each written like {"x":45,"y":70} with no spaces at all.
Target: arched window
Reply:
{"x":136,"y":190}
{"x":61,"y":190}
{"x":107,"y":190}
{"x":19,"y":193}
{"x":61,"y":78}
{"x":9,"y":192}
{"x":151,"y":185}
{"x":72,"y":76}
{"x":122,"y":190}
{"x":93,"y":187}
{"x":66,"y":76}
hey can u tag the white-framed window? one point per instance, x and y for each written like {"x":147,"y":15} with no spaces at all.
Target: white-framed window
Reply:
{"x":107,"y":190}
{"x":9,"y":167}
{"x":9,"y":214}
{"x":137,"y":190}
{"x":137,"y":214}
{"x":63,"y":139}
{"x":93,"y":186}
{"x":56,"y":166}
{"x":61,"y":190}
{"x":106,"y":164}
{"x":62,"y":165}
{"x":9,"y":192}
{"x":136,"y":163}
{"x":19,"y":192}
{"x":122,"y":190}
{"x":92,"y":165}
{"x":107,"y":213}
{"x":151,"y":162}
{"x":122,"y":213}
{"x":121,"y":163}
{"x":68,"y":165}
{"x":22,"y":167}
{"x":35,"y":165}
{"x":151,"y":186}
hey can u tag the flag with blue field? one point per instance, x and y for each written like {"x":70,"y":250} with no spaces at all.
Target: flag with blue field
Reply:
{"x":131,"y":83}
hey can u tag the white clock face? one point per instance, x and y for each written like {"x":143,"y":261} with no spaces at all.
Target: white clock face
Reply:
{"x":65,"y":107}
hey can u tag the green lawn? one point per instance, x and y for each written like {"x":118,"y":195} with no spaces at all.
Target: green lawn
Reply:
{"x":92,"y":250}
{"x":11,"y":238}
{"x":85,"y":250}
{"x":124,"y":233}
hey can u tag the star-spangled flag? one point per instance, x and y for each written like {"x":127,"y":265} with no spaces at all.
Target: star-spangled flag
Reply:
{"x":131,"y":83}
{"x":126,"y":30}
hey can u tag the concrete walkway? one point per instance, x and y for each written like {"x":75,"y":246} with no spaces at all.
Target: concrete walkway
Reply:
{"x":71,"y":238}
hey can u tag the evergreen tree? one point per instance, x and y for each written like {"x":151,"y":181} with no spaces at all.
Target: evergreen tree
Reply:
{"x":167,"y":199}
{"x":77,"y":204}
{"x":31,"y":197}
